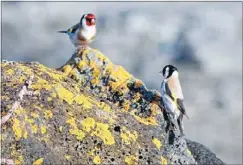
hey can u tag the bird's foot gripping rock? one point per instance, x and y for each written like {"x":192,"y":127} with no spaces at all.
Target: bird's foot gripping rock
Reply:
{"x":82,"y":48}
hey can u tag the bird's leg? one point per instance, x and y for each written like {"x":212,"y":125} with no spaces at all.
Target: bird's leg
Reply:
{"x":167,"y":126}
{"x":83,"y":47}
{"x":179,"y":122}
{"x":166,"y":118}
{"x":171,"y":137}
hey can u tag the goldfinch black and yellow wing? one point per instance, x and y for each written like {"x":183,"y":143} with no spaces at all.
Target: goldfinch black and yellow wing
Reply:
{"x":71,"y":29}
{"x":173,"y":89}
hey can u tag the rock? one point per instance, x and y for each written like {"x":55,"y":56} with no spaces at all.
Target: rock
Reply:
{"x":202,"y":154}
{"x":89,"y":111}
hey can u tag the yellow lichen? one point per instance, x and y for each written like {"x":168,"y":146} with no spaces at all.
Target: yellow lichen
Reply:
{"x":72,"y":122}
{"x":20,"y":111}
{"x":26,"y":119}
{"x":97,"y":160}
{"x":48,"y":114}
{"x":25,"y":134}
{"x":60,"y":128}
{"x":43,"y":130}
{"x":157,"y":143}
{"x":54,"y":74}
{"x":53,"y":94}
{"x":96,"y":72}
{"x":20,"y":160}
{"x":34,"y":128}
{"x":79,"y":133}
{"x":17,"y":129}
{"x":81,"y":64}
{"x":88,"y":124}
{"x":2,"y":137}
{"x":163,"y":161}
{"x":103,"y":132}
{"x":120,"y":73}
{"x":36,"y":107}
{"x":126,"y":105}
{"x":67,"y":157}
{"x":94,"y":81}
{"x":188,"y":151}
{"x":9,"y":72}
{"x":38,"y":161}
{"x":34,"y":115}
{"x":84,"y":101}
{"x":91,"y":152}
{"x":40,"y":84}
{"x":147,"y":121}
{"x":131,"y":160}
{"x":6,"y":98}
{"x":64,"y":94}
{"x":67,"y":69}
{"x":104,"y":106}
{"x":45,"y":138}
{"x":127,"y":136}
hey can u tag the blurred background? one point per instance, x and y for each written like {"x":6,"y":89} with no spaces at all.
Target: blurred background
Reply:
{"x":204,"y":41}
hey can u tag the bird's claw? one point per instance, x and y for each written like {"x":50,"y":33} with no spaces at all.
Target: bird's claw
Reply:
{"x":81,"y":48}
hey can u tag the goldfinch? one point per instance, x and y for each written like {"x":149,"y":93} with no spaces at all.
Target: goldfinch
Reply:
{"x":172,"y":96}
{"x":82,"y":33}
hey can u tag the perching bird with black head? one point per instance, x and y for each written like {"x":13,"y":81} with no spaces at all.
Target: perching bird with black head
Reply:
{"x":172,"y":96}
{"x":82,"y":33}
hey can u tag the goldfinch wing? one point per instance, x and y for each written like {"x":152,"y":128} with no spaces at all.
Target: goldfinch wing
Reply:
{"x":73,"y":28}
{"x":181,"y":107}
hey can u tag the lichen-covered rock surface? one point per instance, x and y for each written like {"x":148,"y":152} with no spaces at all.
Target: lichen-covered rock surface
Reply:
{"x":90,"y":111}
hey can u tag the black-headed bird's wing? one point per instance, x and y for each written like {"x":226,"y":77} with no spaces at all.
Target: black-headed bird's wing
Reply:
{"x":181,"y":107}
{"x":173,"y":89}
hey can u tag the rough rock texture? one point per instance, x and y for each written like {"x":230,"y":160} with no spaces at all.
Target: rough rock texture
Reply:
{"x":202,"y":154}
{"x":91,"y":112}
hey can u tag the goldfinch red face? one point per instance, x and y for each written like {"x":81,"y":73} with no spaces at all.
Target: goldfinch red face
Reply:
{"x":90,"y":19}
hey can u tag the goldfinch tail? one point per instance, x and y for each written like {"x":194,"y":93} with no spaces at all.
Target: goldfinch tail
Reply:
{"x":187,"y":116}
{"x":62,"y":31}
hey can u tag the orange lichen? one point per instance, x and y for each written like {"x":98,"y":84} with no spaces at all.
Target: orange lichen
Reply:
{"x":138,"y":83}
